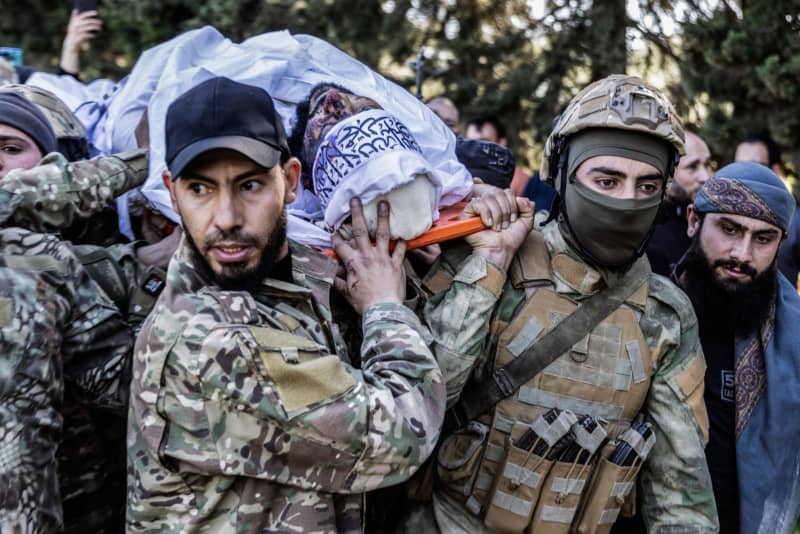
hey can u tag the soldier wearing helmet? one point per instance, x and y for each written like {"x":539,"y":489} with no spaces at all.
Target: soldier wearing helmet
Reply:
{"x":69,"y":131}
{"x":574,"y":374}
{"x":78,"y":457}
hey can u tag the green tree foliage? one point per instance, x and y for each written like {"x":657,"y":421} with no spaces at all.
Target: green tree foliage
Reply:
{"x":361,"y":27}
{"x":489,"y":57}
{"x":482,"y":55}
{"x":743,"y":63}
{"x":37,"y":26}
{"x":739,"y":63}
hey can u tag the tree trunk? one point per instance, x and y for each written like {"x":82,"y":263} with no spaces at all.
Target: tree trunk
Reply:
{"x":608,"y":51}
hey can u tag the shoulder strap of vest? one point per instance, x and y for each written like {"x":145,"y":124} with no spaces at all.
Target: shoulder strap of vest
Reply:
{"x":481,"y":396}
{"x":531,"y":264}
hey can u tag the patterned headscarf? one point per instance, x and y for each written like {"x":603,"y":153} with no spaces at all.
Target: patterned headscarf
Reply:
{"x":748,"y":189}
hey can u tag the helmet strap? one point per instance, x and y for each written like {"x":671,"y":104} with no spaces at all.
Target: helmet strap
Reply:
{"x":557,"y":165}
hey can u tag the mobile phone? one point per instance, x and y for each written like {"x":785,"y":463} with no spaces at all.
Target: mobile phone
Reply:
{"x":12,"y":55}
{"x":85,"y":5}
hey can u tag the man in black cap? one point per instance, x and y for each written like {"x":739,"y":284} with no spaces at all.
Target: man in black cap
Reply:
{"x":245,"y":415}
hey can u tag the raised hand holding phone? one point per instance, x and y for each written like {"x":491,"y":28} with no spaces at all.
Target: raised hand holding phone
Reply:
{"x":83,"y":26}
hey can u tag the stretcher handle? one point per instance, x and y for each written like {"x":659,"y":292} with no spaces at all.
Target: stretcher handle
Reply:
{"x":447,"y":228}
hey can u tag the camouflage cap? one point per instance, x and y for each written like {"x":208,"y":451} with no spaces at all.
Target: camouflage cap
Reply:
{"x":63,"y":121}
{"x":620,"y":102}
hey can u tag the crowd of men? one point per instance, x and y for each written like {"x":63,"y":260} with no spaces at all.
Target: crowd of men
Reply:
{"x":624,"y":358}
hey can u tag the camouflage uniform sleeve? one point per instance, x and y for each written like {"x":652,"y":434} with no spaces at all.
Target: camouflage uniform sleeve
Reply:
{"x":278,"y":412}
{"x":131,"y":284}
{"x":676,"y":484}
{"x":56,"y":192}
{"x":459,"y":320}
{"x":63,"y":330}
{"x":98,"y":342}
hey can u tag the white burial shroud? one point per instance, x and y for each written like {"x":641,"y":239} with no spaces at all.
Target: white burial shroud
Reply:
{"x":374,"y":156}
{"x":287,"y":67}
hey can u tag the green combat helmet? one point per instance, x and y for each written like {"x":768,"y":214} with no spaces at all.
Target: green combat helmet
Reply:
{"x":618,"y":101}
{"x":70,"y":132}
{"x":645,"y":116}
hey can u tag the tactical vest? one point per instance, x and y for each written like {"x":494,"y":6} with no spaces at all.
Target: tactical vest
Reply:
{"x":607,"y":375}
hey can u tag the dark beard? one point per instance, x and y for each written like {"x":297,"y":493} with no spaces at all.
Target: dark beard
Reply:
{"x":742,"y":306}
{"x":236,"y":277}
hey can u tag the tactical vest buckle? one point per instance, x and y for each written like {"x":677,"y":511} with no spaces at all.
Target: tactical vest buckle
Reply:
{"x":503,"y":382}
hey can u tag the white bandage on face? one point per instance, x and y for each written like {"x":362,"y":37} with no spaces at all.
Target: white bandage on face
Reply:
{"x":411,"y":209}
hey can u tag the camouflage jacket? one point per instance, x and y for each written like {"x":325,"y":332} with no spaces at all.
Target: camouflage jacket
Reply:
{"x":246,"y":417}
{"x":91,"y":456}
{"x":56,"y":327}
{"x":467,"y":319}
{"x":95,"y":348}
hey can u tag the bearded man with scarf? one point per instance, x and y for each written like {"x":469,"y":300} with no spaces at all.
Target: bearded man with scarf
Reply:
{"x":748,"y":315}
{"x":638,"y":361}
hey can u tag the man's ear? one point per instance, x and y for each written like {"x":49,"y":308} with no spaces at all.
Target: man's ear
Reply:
{"x":693,"y":220}
{"x":291,"y":173}
{"x":170,"y":185}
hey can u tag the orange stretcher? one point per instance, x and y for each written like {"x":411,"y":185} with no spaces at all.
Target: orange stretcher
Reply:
{"x":448,"y":227}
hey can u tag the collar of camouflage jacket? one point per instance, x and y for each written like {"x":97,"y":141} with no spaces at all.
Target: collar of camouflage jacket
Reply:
{"x":306,"y":263}
{"x":573,"y":276}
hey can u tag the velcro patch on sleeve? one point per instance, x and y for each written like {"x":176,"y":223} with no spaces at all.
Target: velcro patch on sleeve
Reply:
{"x":306,"y":378}
{"x":494,"y":280}
{"x":438,"y":281}
{"x":6,"y":311}
{"x":692,"y":376}
{"x":690,"y":382}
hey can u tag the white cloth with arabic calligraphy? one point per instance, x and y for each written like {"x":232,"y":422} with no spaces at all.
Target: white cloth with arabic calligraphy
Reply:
{"x":287,"y":67}
{"x":367,"y":155}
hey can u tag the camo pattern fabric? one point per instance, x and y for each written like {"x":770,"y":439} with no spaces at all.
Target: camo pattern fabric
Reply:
{"x":56,"y":192}
{"x":57,"y":330}
{"x":676,"y":487}
{"x":245,"y":417}
{"x":91,"y":455}
{"x":80,"y":425}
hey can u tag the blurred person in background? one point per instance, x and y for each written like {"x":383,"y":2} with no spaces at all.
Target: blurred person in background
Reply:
{"x":670,"y":242}
{"x":489,"y":128}
{"x":761,"y":149}
{"x":446,"y":110}
{"x":82,"y":28}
